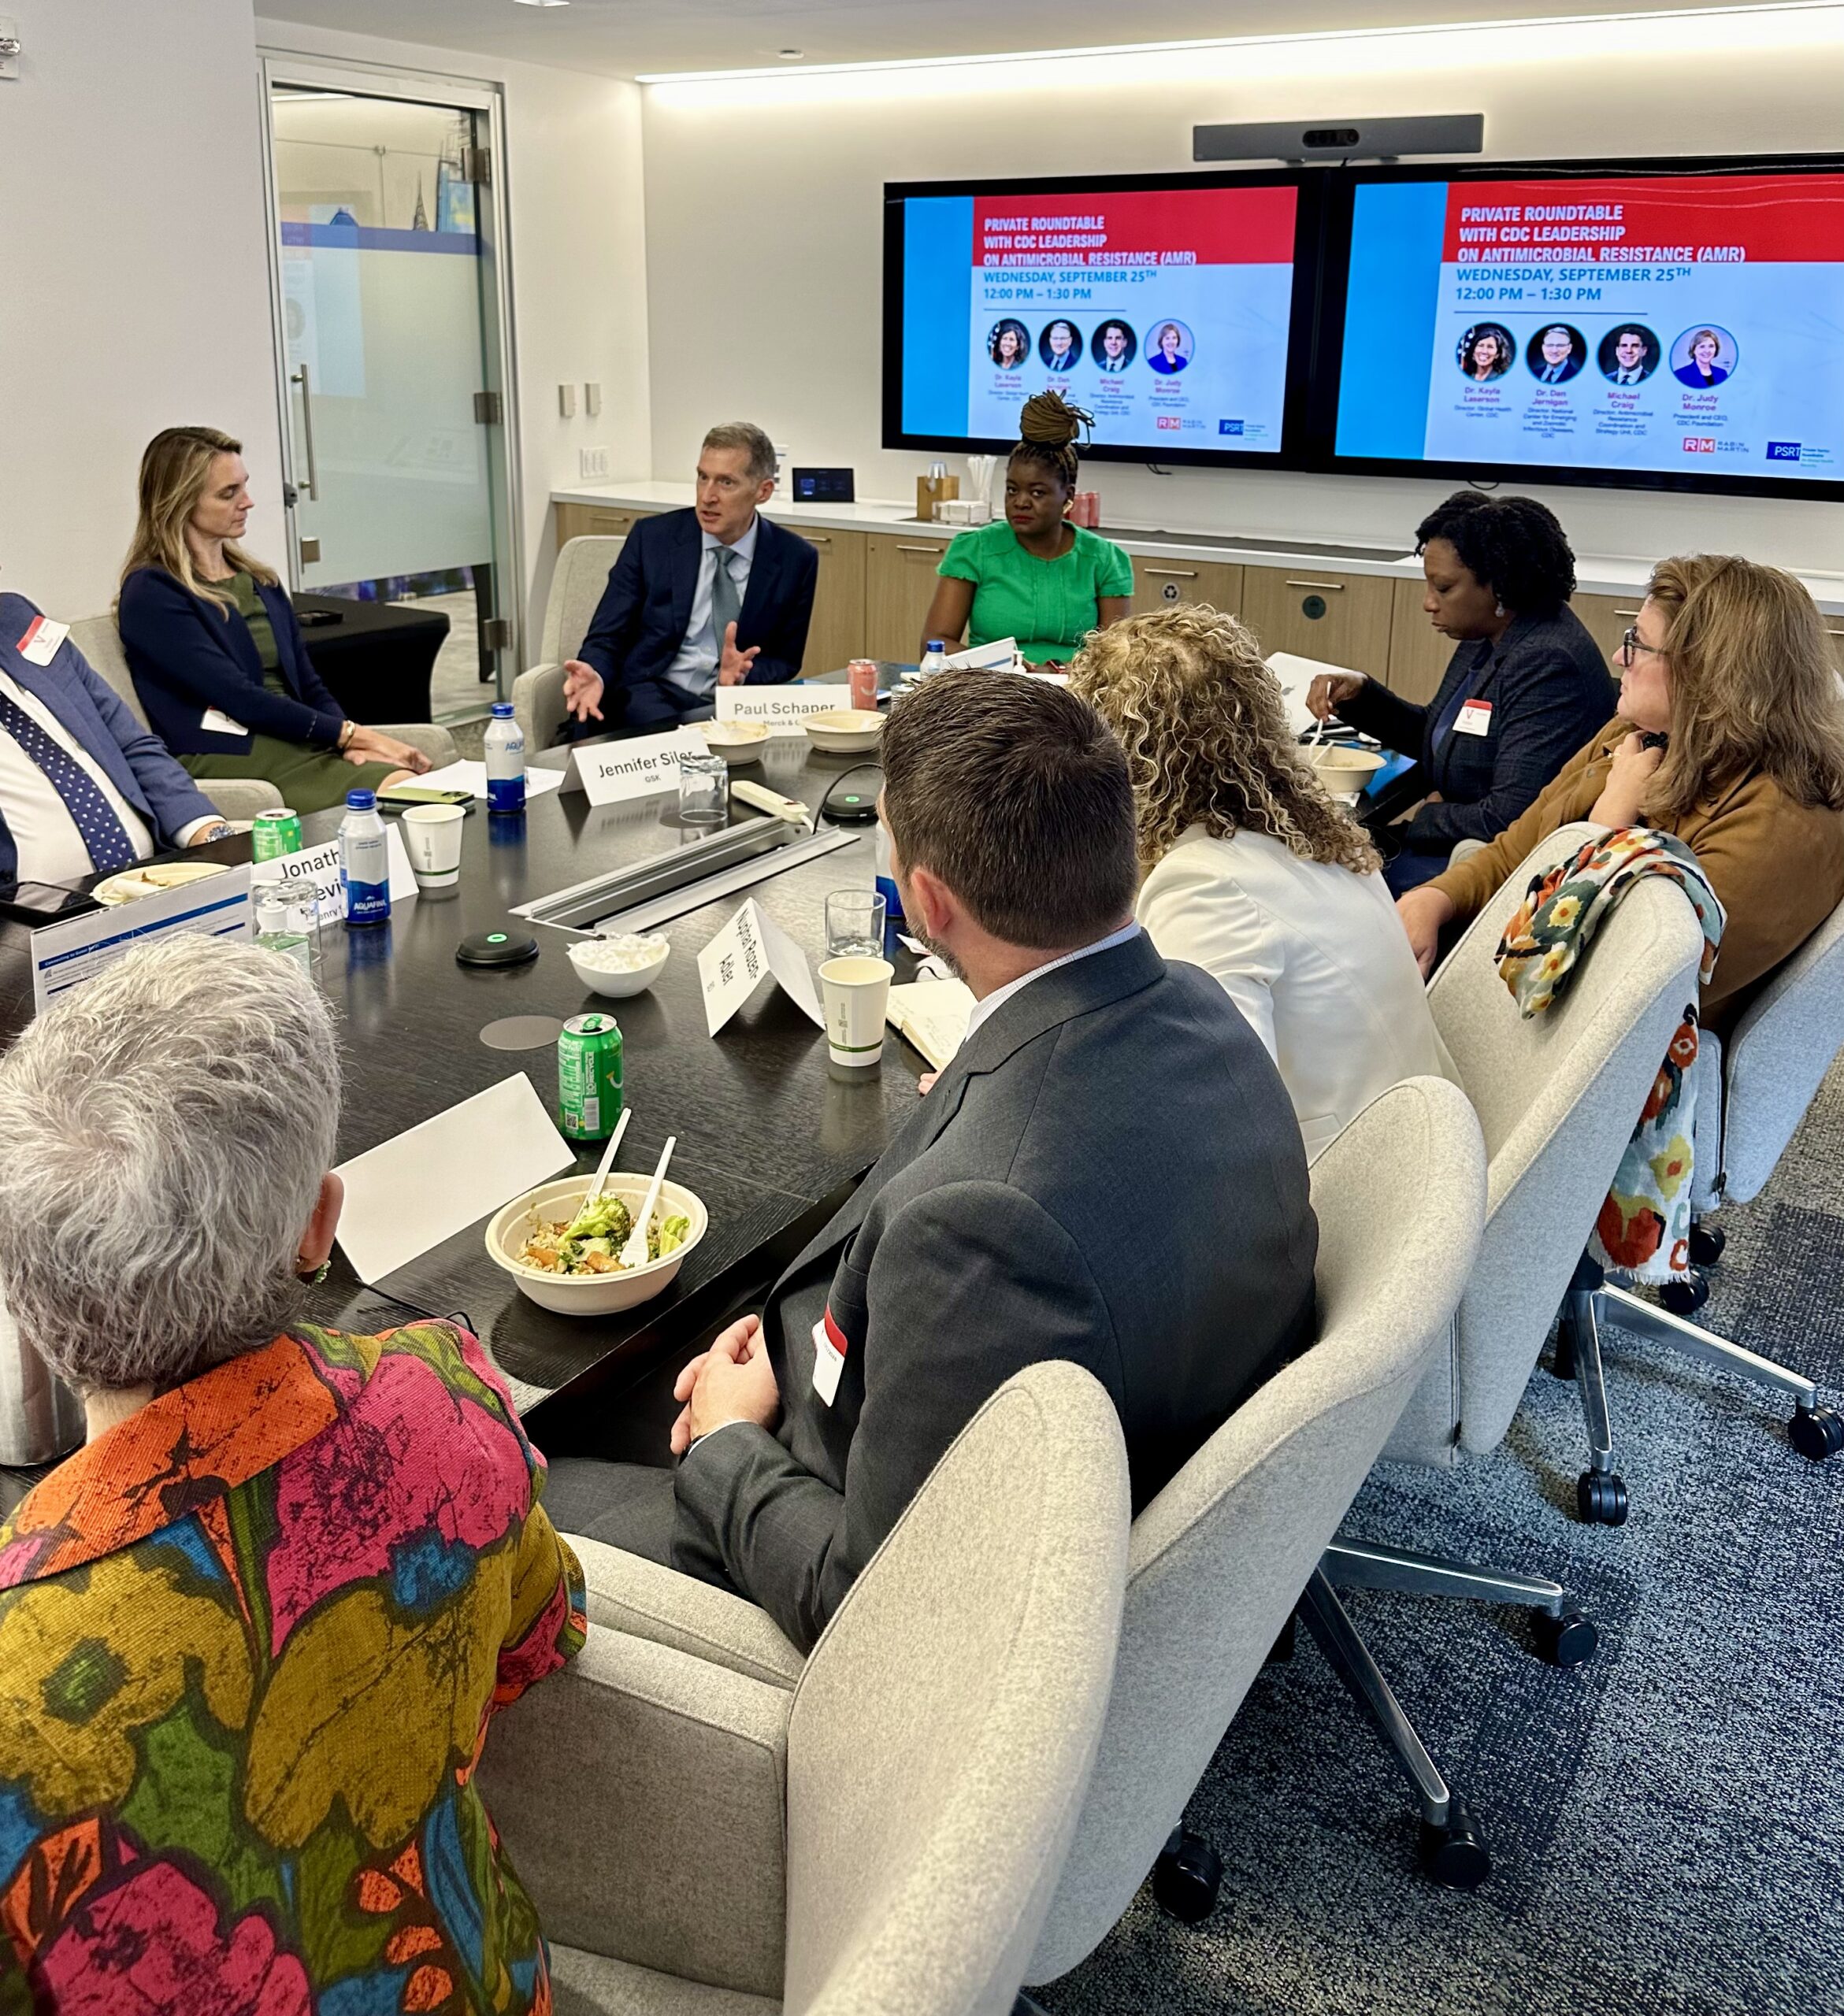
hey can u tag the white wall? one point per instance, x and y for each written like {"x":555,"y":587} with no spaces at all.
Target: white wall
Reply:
{"x":785,"y":174}
{"x":136,"y":293}
{"x":578,"y":245}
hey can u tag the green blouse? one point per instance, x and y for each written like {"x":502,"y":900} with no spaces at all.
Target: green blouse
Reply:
{"x":241,"y":588}
{"x":1049,"y":606}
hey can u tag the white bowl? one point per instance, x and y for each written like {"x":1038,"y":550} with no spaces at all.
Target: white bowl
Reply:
{"x":845,"y":731}
{"x":1342,"y":768}
{"x":616,"y":985}
{"x":736,"y":742}
{"x":591,"y":1295}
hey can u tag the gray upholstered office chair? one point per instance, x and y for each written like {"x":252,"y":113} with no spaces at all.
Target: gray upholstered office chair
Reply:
{"x":237,"y":798}
{"x":1218,"y":1559}
{"x":1751,"y":1096}
{"x":883,"y":1840}
{"x":1558,"y":1097}
{"x":577,"y":584}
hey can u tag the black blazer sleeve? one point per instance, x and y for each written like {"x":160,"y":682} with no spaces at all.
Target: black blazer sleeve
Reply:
{"x":969,"y":1283}
{"x":1397,"y":723}
{"x":179,"y":665}
{"x":616,"y":623}
{"x":784,"y":638}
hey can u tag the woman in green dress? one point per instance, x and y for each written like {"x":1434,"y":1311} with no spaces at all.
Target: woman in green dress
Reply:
{"x":219,"y":662}
{"x":1032,"y":575}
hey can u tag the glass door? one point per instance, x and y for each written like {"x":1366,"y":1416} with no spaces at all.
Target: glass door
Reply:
{"x":389,"y":346}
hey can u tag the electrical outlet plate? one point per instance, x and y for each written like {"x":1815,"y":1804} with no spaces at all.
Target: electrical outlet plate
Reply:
{"x":9,"y":39}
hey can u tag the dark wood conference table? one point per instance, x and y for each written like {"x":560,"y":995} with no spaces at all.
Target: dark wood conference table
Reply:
{"x":768,"y":1137}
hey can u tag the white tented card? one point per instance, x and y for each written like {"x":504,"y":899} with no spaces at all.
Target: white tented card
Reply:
{"x":640,"y":767}
{"x":829,"y":1359}
{"x":1474,"y":718}
{"x":473,"y":776}
{"x":215,"y":723}
{"x":1296,"y":675}
{"x":750,"y":948}
{"x":996,"y":656}
{"x":411,"y":1192}
{"x":784,"y":707}
{"x":42,"y":638}
{"x":65,"y":955}
{"x":317,"y":868}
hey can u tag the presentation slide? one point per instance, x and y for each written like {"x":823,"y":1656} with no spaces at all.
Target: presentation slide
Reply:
{"x":1653,"y":323}
{"x":1164,"y":313}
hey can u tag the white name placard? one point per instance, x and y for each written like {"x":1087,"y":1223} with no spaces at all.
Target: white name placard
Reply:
{"x":318,"y":868}
{"x":640,"y":767}
{"x":65,"y":955}
{"x":750,"y":948}
{"x":783,"y":707}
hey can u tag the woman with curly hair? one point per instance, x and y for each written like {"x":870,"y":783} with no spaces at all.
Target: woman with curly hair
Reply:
{"x":1525,"y":686}
{"x":1251,"y":870}
{"x":1032,"y":575}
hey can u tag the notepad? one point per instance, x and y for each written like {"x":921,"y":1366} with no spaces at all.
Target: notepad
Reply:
{"x":1296,"y":675}
{"x":931,"y":1015}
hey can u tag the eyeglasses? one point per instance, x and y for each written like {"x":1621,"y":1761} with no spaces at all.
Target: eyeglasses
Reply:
{"x":1631,"y":648}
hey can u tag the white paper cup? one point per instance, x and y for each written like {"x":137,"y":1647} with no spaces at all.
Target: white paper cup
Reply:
{"x":431,"y":838}
{"x":854,"y":992}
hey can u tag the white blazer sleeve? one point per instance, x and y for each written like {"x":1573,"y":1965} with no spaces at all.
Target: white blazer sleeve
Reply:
{"x":1207,"y":920}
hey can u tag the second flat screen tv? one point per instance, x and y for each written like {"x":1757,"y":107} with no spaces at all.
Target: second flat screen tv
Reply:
{"x":1627,"y":323}
{"x":1168,"y":309}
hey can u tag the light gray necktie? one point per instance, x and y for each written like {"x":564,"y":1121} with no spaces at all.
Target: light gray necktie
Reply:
{"x":727,"y":604}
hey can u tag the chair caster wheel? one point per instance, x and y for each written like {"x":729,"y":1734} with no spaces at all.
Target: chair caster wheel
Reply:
{"x":1186,"y":1877}
{"x":1601,"y":1499}
{"x":1707,"y":1243}
{"x":1566,"y":1641}
{"x":1453,"y":1854}
{"x":1817,"y":1432}
{"x":1685,"y":1297}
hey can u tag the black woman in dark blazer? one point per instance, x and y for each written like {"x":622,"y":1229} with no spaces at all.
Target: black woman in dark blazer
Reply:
{"x":1524,"y":690}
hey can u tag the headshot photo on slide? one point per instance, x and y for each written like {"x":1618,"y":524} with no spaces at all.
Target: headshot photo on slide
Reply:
{"x":1702,"y":357}
{"x":1114,"y":346}
{"x":1060,"y":345}
{"x":1008,"y":343}
{"x":1555,"y":353}
{"x":1628,"y":353}
{"x":1168,"y":348}
{"x":1486,"y":352}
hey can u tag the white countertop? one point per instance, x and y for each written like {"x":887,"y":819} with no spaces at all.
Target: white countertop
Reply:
{"x":1596,"y":574}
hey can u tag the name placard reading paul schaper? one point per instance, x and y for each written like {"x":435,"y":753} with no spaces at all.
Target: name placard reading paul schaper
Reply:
{"x":784,"y":708}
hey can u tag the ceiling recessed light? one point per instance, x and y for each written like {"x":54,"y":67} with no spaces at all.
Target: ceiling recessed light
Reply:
{"x":791,"y":55}
{"x":541,"y":3}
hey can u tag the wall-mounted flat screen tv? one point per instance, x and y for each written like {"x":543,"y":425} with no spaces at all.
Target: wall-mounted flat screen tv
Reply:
{"x":1668,"y":324}
{"x":1173,"y":310}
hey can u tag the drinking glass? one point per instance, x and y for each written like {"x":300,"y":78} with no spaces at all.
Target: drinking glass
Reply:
{"x":855,"y":925}
{"x":704,"y":791}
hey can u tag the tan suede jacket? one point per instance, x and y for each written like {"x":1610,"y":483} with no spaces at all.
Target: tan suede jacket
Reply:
{"x":1777,"y":867}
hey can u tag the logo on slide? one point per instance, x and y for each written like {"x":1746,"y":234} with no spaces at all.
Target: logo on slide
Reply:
{"x":1699,"y":444}
{"x":1782,"y":451}
{"x":1170,"y":422}
{"x":1229,"y":427}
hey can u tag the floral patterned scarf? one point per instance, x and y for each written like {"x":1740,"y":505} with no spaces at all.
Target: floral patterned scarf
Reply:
{"x":1643,"y":1230}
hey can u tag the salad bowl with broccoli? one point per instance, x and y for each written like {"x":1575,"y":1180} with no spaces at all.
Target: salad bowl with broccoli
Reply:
{"x":568,"y":1258}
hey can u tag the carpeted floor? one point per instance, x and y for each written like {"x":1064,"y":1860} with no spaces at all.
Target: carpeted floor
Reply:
{"x":1666,"y":1823}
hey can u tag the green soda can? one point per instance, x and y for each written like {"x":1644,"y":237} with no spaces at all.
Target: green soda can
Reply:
{"x":275,"y":833}
{"x":588,"y":1077}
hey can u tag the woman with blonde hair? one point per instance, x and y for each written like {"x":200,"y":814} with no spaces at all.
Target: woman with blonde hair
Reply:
{"x":1729,"y":735}
{"x":216,"y":655}
{"x":1251,"y":870}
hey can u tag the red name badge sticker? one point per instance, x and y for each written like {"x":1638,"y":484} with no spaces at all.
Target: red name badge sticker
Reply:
{"x":829,"y":1357}
{"x":40,"y":644}
{"x":1474,"y":718}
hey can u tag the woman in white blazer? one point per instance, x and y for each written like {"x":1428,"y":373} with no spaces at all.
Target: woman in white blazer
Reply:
{"x":1252,"y":871}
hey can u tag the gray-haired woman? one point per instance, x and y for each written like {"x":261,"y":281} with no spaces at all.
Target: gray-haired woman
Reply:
{"x":252,"y":1633}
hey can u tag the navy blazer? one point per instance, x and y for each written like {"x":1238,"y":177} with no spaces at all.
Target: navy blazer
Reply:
{"x":641,"y":619}
{"x":133,"y":758}
{"x":1549,"y":689}
{"x":188,"y":653}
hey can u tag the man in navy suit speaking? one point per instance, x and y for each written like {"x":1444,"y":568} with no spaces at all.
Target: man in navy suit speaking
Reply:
{"x":712,"y":596}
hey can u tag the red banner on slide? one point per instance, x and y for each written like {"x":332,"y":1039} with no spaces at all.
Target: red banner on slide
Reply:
{"x":1694,"y":218}
{"x":1115,"y":231}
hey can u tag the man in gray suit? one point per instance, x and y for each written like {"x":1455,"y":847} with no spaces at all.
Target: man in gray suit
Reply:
{"x":1108,"y":1171}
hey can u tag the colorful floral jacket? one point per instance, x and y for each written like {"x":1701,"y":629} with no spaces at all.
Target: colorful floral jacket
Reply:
{"x":251,"y":1639}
